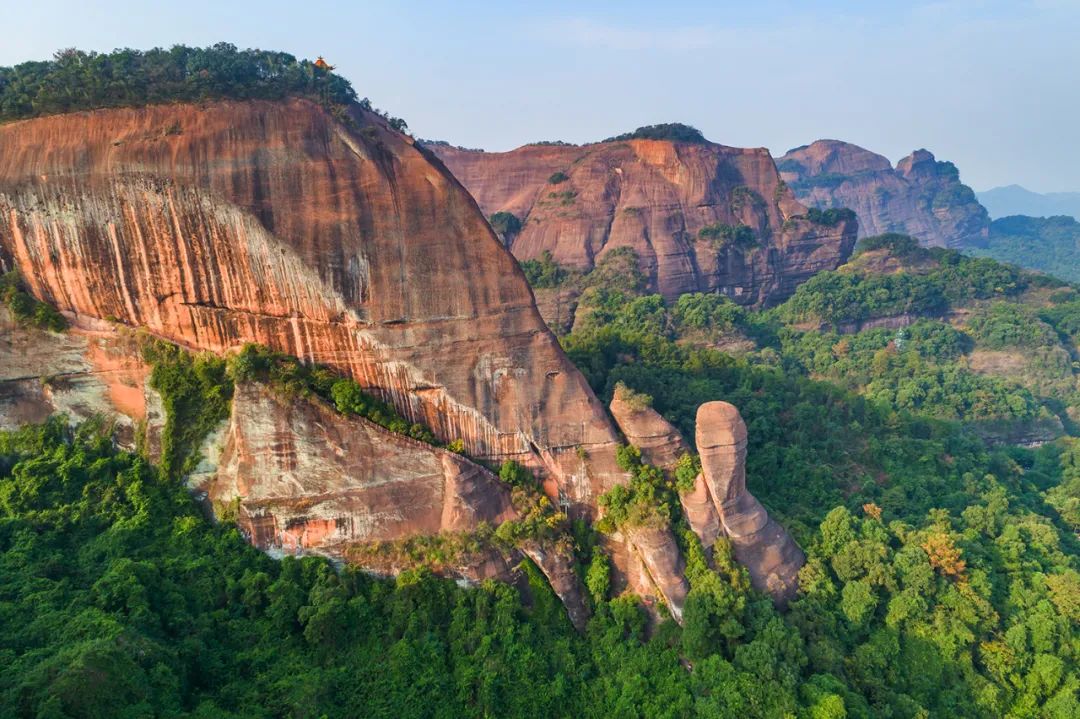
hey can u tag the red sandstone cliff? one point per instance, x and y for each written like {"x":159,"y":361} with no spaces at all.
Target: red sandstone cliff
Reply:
{"x":655,"y":196}
{"x":273,"y":223}
{"x":921,"y":196}
{"x":339,"y":243}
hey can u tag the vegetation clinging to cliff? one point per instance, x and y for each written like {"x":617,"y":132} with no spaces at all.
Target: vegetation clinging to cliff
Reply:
{"x":195,"y":390}
{"x":647,"y":501}
{"x":290,"y":375}
{"x":545,"y":272}
{"x":75,"y":80}
{"x":25,"y":309}
{"x":506,"y":226}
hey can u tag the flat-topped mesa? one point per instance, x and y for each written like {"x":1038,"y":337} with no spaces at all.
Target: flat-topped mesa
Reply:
{"x":340,"y":243}
{"x":922,"y":196}
{"x":759,"y":542}
{"x":700,"y":216}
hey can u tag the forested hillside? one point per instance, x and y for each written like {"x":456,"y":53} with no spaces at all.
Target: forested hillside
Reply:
{"x":1046,"y":244}
{"x":286,"y":436}
{"x":942,"y":575}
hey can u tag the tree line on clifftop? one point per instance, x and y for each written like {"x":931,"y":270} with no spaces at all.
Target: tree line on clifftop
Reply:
{"x":75,"y":80}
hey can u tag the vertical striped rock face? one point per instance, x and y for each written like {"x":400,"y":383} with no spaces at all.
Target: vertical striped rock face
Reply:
{"x":655,"y":197}
{"x":344,"y":244}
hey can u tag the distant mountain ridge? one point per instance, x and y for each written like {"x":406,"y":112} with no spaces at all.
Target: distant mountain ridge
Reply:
{"x":921,"y":196}
{"x":1016,"y":200}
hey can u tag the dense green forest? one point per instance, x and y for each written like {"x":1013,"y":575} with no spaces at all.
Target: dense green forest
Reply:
{"x":75,"y":80}
{"x":943,"y":573}
{"x":1046,"y":244}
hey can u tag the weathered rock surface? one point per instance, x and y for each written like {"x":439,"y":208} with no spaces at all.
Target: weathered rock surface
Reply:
{"x":760,"y":543}
{"x":655,"y":196}
{"x":310,"y":477}
{"x":921,"y":196}
{"x":557,"y":564}
{"x":342,"y":244}
{"x":701,"y":514}
{"x":660,"y":443}
{"x":273,"y":223}
{"x":659,"y":555}
{"x":83,"y":373}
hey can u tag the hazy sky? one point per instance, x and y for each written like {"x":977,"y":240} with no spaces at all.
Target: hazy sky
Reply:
{"x":991,"y":85}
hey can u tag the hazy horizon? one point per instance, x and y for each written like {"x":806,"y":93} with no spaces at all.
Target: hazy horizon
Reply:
{"x":985,"y":85}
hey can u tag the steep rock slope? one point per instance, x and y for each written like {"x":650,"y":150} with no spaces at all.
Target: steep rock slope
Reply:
{"x":921,"y":196}
{"x":340,"y":243}
{"x":656,"y":197}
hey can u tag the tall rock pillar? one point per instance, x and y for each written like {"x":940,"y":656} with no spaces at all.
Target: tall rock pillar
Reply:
{"x":760,"y":543}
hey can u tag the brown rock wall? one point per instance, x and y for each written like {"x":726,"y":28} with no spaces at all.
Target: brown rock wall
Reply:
{"x":654,"y":197}
{"x":272,"y":223}
{"x":921,"y":196}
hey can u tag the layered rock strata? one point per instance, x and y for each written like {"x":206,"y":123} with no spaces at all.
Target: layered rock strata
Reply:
{"x":656,"y":197}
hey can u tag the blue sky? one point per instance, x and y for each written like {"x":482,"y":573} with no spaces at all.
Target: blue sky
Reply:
{"x":990,"y":85}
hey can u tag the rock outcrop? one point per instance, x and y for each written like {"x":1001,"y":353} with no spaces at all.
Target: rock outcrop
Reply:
{"x":759,"y":542}
{"x":660,"y":443}
{"x":341,"y":243}
{"x":310,"y":478}
{"x":656,"y":565}
{"x":94,"y":372}
{"x":656,"y":197}
{"x":921,"y":196}
{"x":658,"y":553}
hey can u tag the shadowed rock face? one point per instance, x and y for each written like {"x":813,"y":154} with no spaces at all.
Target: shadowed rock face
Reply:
{"x":557,"y":564}
{"x":273,"y":223}
{"x":655,"y":197}
{"x":921,"y":197}
{"x":760,"y":543}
